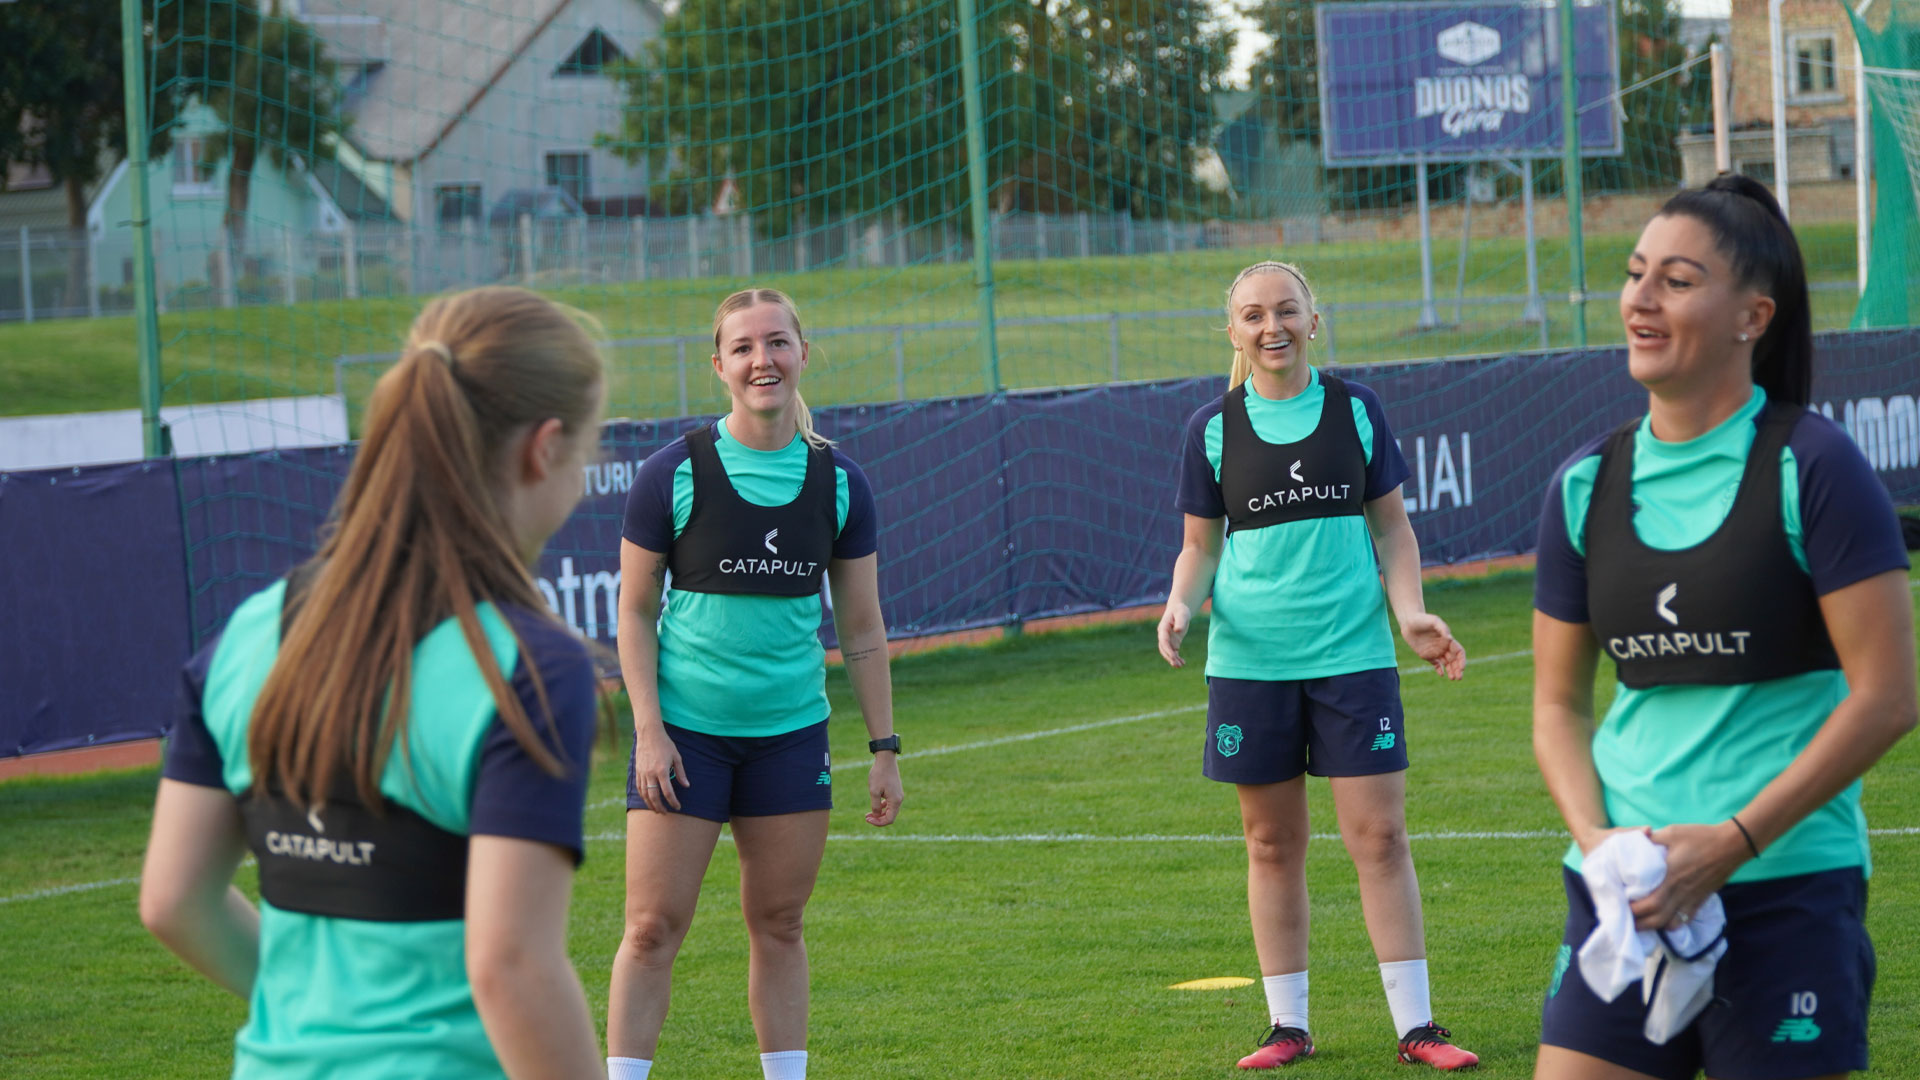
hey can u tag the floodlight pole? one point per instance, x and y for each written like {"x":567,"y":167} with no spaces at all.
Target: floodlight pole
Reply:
{"x":1777,"y":44}
{"x":146,"y":319}
{"x":1570,"y":167}
{"x":1862,"y":155}
{"x":1722,"y":143}
{"x":1429,"y":315}
{"x":977,"y":190}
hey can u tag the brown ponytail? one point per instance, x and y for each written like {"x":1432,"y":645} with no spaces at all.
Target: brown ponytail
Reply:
{"x":419,"y":537}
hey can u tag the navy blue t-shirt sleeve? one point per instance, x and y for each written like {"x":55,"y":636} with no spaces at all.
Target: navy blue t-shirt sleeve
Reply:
{"x":512,"y":795}
{"x":1847,"y":521}
{"x":1560,"y":571}
{"x":1199,"y":490}
{"x":649,"y":516}
{"x":192,"y":755}
{"x":860,"y":534}
{"x":1387,"y":468}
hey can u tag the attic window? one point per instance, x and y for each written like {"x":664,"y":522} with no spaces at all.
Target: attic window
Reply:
{"x":594,"y":52}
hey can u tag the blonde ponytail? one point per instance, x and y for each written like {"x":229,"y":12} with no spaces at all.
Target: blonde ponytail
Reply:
{"x":1241,"y":368}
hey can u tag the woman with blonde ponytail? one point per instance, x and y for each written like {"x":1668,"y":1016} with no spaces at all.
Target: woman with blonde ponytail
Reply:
{"x":1290,"y":483}
{"x":398,"y":733}
{"x":728,"y":681}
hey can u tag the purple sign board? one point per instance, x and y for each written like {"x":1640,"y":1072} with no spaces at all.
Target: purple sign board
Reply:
{"x":1402,"y":83}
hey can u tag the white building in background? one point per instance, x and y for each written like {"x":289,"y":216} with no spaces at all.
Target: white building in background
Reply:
{"x":457,"y":105}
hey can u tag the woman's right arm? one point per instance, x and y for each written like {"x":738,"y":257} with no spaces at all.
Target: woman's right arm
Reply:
{"x":1565,"y":657}
{"x":643,"y":576}
{"x":1192,"y":581}
{"x":524,"y":985}
{"x":187,"y":898}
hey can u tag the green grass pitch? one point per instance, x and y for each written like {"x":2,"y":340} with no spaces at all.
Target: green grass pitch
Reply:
{"x":77,"y":365}
{"x":1026,"y":915}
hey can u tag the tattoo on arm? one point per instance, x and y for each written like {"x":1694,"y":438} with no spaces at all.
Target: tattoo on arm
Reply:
{"x":660,"y":573}
{"x":863,"y":654}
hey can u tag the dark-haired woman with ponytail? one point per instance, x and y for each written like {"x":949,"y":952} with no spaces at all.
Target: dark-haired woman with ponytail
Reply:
{"x":398,"y":733}
{"x":1734,"y":555}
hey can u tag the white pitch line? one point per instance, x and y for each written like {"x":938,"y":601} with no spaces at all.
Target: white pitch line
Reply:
{"x":1070,"y":729}
{"x":63,"y":890}
{"x":1002,"y":838}
{"x":1167,"y":838}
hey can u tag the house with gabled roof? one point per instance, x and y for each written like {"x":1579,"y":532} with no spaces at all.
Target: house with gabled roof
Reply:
{"x":455,"y":104}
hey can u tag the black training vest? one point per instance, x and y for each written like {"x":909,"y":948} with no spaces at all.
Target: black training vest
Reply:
{"x":345,"y":860}
{"x":733,"y":546}
{"x":1735,"y":608}
{"x":1323,"y":475}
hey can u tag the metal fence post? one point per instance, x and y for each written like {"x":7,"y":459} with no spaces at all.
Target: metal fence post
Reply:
{"x":526,"y":248}
{"x":292,"y":291}
{"x":26,"y":273}
{"x":1113,"y":346}
{"x":1086,"y":245}
{"x":900,"y":362}
{"x":350,"y":262}
{"x":91,"y":281}
{"x":680,"y":373}
{"x":638,"y":226}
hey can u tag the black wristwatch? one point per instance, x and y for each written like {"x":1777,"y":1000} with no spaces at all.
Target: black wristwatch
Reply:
{"x":891,"y":742}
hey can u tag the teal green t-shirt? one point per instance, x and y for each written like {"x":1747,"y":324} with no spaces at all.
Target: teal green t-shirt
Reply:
{"x":732,"y":664}
{"x":338,"y":998}
{"x":1302,"y":599}
{"x":1698,"y":754}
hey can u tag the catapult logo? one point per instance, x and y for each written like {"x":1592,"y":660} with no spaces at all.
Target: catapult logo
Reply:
{"x":771,"y":537}
{"x":1681,"y":643}
{"x":1465,"y":102}
{"x":1306,"y":492}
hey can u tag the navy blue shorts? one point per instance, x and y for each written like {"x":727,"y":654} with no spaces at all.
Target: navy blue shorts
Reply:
{"x":1263,"y":732}
{"x":1790,"y":995}
{"x":749,"y":776}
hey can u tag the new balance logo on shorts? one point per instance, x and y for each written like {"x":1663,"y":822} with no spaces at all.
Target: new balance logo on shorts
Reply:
{"x":1799,"y":1025}
{"x":1384,"y":740}
{"x":1796,"y":1029}
{"x":825,"y":777}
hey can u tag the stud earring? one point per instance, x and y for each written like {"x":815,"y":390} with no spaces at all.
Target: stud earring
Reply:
{"x":1313,"y":335}
{"x":1743,"y":337}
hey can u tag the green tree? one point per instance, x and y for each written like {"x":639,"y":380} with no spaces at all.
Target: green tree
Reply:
{"x":62,"y":102}
{"x":1120,"y":100}
{"x":265,"y":74}
{"x":811,"y":110}
{"x":821,"y":109}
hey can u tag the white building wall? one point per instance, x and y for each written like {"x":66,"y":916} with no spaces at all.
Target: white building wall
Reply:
{"x":503,"y":142}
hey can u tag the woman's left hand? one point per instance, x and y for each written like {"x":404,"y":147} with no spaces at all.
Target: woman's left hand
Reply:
{"x":1427,"y":635}
{"x":1700,"y":859}
{"x":883,"y":789}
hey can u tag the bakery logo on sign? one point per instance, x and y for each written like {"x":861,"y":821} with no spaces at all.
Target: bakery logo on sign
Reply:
{"x":1468,"y":103}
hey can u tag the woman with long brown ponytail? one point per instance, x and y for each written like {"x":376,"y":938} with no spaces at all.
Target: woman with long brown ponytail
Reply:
{"x":399,"y":731}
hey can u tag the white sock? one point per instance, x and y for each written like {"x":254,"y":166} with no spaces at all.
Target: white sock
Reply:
{"x":628,"y":1068}
{"x":784,"y":1065}
{"x":1406,"y":983}
{"x":1287,"y":999}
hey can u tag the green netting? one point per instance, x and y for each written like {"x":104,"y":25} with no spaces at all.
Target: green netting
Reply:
{"x":324,"y":164}
{"x":1889,"y":39}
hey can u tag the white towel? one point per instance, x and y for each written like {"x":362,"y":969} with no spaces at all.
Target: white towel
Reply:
{"x":1674,"y":967}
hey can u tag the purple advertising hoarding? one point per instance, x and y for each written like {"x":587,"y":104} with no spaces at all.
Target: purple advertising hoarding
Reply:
{"x":992,"y":509}
{"x":1407,"y":82}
